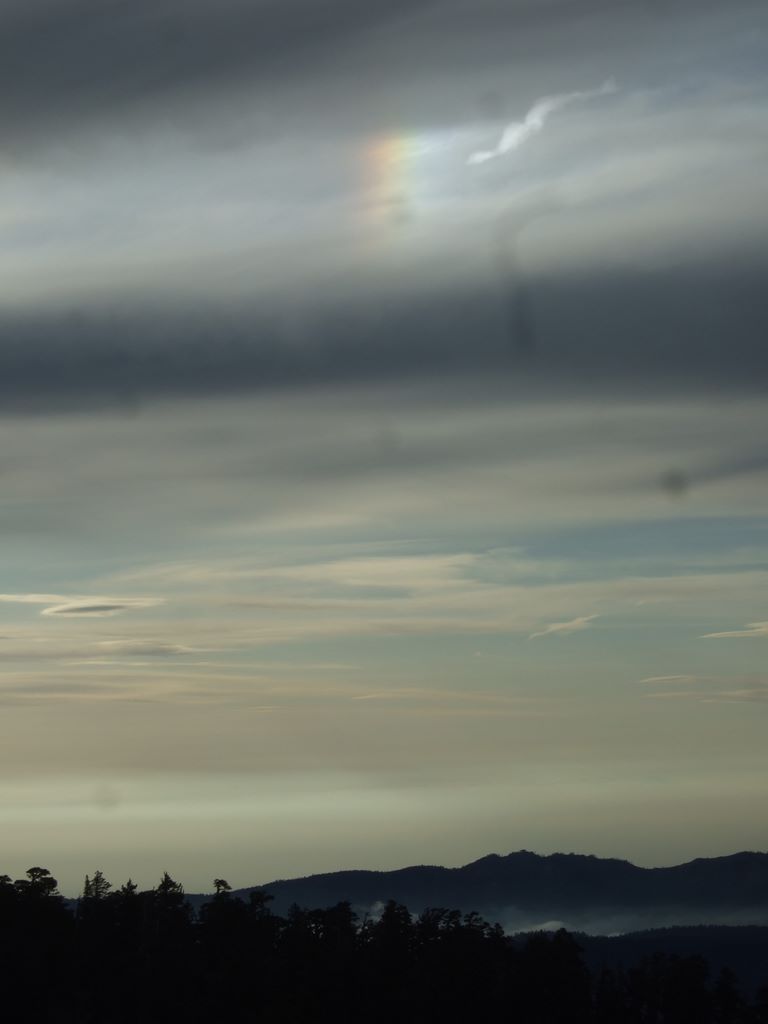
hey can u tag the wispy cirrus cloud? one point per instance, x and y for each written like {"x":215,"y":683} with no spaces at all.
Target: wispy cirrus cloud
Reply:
{"x":420,"y":693}
{"x":148,"y":648}
{"x":755,"y":695}
{"x":670,"y":679}
{"x":747,"y":695}
{"x":731,"y":689}
{"x":752,"y":629}
{"x":93,"y":607}
{"x":565,"y":628}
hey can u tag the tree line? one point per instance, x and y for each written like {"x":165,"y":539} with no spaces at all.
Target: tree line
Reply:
{"x":124,"y":956}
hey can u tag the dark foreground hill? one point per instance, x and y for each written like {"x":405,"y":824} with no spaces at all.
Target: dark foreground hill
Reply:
{"x":585,"y":893}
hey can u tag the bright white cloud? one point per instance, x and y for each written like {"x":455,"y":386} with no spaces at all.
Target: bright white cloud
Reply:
{"x":518,"y":132}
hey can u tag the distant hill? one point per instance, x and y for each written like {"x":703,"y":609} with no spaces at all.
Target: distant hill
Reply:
{"x":744,"y":951}
{"x":585,"y":893}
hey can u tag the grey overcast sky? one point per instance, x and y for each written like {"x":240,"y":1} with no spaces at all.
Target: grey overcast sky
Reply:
{"x":383,"y":473}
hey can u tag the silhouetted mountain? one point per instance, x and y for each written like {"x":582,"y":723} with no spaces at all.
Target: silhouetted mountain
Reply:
{"x":524,"y":890}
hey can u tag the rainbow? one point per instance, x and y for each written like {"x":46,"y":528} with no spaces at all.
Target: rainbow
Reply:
{"x":389,"y":174}
{"x":409,"y":176}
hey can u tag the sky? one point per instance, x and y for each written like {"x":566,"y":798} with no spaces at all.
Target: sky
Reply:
{"x":383,"y":474}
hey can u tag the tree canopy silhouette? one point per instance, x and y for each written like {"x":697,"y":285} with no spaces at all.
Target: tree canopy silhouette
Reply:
{"x":123,"y":956}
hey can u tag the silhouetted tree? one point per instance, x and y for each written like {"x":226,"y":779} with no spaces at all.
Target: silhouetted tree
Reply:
{"x":123,"y":956}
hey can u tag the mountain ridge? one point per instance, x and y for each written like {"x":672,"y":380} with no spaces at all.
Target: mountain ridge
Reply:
{"x":556,"y":886}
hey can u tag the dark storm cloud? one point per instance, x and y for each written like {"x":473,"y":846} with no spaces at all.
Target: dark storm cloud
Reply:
{"x":64,"y":62}
{"x":683,"y":328}
{"x":69,"y":63}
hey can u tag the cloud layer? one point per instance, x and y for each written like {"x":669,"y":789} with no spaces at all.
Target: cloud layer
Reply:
{"x":181,"y":217}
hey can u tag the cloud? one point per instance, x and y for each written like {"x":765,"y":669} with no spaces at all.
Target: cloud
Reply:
{"x":94,"y":607}
{"x":736,"y":689}
{"x":449,"y":696}
{"x":675,"y":695}
{"x":565,"y":628}
{"x":142,"y":54}
{"x":753,"y":629}
{"x":518,"y":132}
{"x":148,"y":648}
{"x":756,"y":695}
{"x":747,"y":695}
{"x":439,"y":702}
{"x":670,"y":679}
{"x":190,"y":261}
{"x":85,"y":608}
{"x":113,"y":358}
